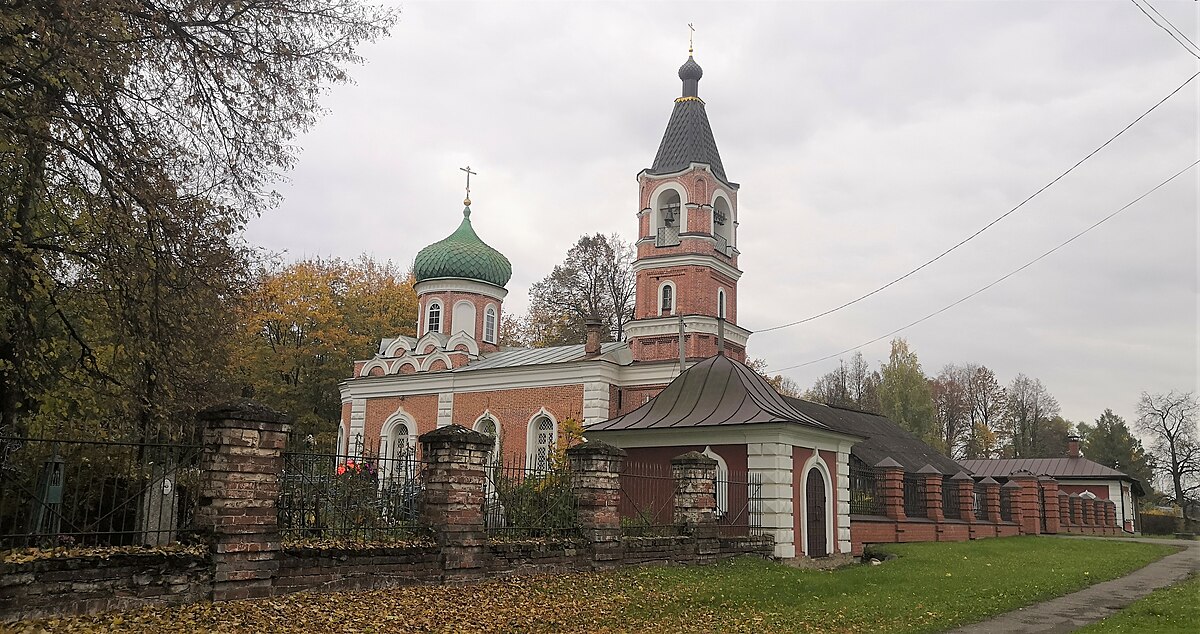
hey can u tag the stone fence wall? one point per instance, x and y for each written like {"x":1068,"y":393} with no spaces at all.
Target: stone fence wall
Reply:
{"x":242,"y":557}
{"x":1035,"y":507}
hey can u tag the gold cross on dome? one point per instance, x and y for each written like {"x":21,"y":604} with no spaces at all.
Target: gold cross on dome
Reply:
{"x":467,"y":169}
{"x":691,"y":32}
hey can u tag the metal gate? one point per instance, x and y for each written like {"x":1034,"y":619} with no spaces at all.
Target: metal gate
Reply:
{"x":815,"y":518}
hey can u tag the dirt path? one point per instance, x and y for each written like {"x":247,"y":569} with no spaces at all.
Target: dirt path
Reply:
{"x":1073,"y":611}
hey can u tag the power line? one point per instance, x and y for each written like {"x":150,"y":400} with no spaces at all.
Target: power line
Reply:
{"x":1001,"y":279}
{"x":988,"y":225}
{"x":1159,"y":25}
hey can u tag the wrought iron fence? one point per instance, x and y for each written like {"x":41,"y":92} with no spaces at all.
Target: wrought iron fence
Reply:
{"x":864,"y":498}
{"x":980,"y":502}
{"x":325,"y":496}
{"x":914,"y":496}
{"x":647,"y":502}
{"x":739,"y":503}
{"x":60,"y":492}
{"x":523,"y":500}
{"x":951,"y":504}
{"x":1006,"y":499}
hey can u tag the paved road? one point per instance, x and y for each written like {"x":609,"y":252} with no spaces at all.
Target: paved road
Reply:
{"x":1073,"y":611}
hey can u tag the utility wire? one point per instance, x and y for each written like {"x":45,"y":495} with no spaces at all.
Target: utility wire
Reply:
{"x":1169,"y":32}
{"x":985,"y":227}
{"x":1001,"y":279}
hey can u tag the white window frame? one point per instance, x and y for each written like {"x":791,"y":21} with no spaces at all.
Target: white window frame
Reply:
{"x":721,"y":303}
{"x":490,"y":328}
{"x":532,"y":444}
{"x":721,"y":486}
{"x":441,"y":311}
{"x":494,"y":455}
{"x":399,"y":466}
{"x":674,"y":297}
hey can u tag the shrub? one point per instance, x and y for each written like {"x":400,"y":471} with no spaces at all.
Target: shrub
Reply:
{"x":1155,"y":524}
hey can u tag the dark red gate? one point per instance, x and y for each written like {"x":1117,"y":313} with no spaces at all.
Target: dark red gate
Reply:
{"x":815,"y":516}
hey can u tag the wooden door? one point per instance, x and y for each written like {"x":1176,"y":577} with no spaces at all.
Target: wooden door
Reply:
{"x":814,"y":494}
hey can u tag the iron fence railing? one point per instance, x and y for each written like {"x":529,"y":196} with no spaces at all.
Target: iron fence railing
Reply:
{"x":325,"y":496}
{"x":64,"y":492}
{"x":739,"y":503}
{"x":914,"y":496}
{"x":523,"y":500}
{"x":667,"y":237}
{"x":864,"y":497}
{"x":980,"y":502}
{"x":951,"y":504}
{"x":1006,"y":500}
{"x":647,"y":500}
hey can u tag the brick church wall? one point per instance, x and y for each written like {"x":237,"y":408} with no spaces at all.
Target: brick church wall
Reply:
{"x":514,"y":409}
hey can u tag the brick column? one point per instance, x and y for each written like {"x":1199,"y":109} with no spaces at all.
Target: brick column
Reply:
{"x":889,"y":485}
{"x":454,"y":498}
{"x":991,"y":496}
{"x":1026,"y":500}
{"x":1111,"y":508}
{"x":933,"y":492}
{"x":1049,"y":490}
{"x":696,"y":500}
{"x":966,"y":496}
{"x":239,"y":487}
{"x":1076,"y":512}
{"x":1012,"y":490}
{"x":1064,"y":512}
{"x":596,"y":483}
{"x":1089,"y":513}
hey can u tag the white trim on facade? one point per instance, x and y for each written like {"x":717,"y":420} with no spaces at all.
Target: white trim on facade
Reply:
{"x":667,"y":284}
{"x":687,"y":259}
{"x":595,"y":402}
{"x":441,"y":315}
{"x":655,"y":213}
{"x":772,"y":461}
{"x":693,"y":324}
{"x":815,"y":461}
{"x":464,"y":338}
{"x":457,"y":285}
{"x":371,"y":365}
{"x":532,"y":444}
{"x":358,"y":419}
{"x":490,"y":330}
{"x":721,"y":488}
{"x":436,"y":355}
{"x":445,"y":410}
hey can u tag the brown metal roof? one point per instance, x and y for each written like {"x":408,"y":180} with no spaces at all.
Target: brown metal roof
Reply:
{"x":715,"y":391}
{"x":1053,"y":467}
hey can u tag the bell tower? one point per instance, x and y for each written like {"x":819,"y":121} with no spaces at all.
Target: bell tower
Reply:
{"x":686,"y":266}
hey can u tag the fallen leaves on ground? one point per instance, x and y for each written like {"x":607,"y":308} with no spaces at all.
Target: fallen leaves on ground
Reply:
{"x":27,"y":555}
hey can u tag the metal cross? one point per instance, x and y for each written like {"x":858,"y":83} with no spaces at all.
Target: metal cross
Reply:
{"x":692,"y":31}
{"x":467,"y":169}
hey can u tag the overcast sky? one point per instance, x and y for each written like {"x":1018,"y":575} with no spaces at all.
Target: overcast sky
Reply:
{"x":867,"y":138}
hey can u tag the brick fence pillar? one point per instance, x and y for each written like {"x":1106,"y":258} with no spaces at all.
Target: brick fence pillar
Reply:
{"x":1026,"y":499}
{"x":991,"y":499}
{"x":239,"y":487}
{"x":695,"y":477}
{"x":1012,"y":490}
{"x":454,"y":496}
{"x":1111,"y":524}
{"x":890,"y":486}
{"x":1048,"y":489}
{"x":1089,"y":512}
{"x":596,"y":483}
{"x":1076,"y":512}
{"x":1064,"y":511}
{"x":933,"y":492}
{"x":966,"y":496}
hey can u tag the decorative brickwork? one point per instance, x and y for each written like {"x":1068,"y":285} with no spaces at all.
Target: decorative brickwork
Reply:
{"x":596,"y":482}
{"x":890,"y":486}
{"x":933,"y":492}
{"x":454,"y":495}
{"x":1048,"y":488}
{"x":239,"y":485}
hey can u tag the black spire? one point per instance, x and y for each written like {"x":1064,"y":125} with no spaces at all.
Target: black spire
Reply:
{"x":688,"y":138}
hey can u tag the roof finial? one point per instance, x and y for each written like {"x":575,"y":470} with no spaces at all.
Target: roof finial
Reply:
{"x":467,"y":200}
{"x":691,"y":32}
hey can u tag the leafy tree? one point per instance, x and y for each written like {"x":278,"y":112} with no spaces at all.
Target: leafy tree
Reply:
{"x":905,"y":396}
{"x":304,"y":324}
{"x":1110,"y":442}
{"x":852,"y":385}
{"x":782,"y":384}
{"x":1028,"y":409}
{"x":986,"y":399}
{"x":136,"y":139}
{"x":596,"y":278}
{"x":1170,"y":422}
{"x":952,"y":407}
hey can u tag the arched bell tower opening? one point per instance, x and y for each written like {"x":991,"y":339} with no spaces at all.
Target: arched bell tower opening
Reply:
{"x":686,"y":267}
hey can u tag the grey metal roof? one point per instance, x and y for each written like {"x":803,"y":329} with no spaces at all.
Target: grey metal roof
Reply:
{"x":536,"y":356}
{"x":715,"y":391}
{"x":1057,"y":468}
{"x":688,"y":139}
{"x":884,"y":438}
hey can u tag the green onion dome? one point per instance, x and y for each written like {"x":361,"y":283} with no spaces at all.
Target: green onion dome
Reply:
{"x":463,"y":255}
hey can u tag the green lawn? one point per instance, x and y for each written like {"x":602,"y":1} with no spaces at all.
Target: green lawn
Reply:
{"x":1174,"y":609}
{"x":928,"y":588}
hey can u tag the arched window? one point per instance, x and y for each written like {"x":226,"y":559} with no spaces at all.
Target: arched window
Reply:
{"x":721,"y":486}
{"x":487,"y":426}
{"x":463,"y":319}
{"x":721,"y":303}
{"x":669,"y":208}
{"x":722,"y":226}
{"x":489,"y":324}
{"x":666,"y":298}
{"x":543,"y":437}
{"x":433,"y":316}
{"x":398,"y":455}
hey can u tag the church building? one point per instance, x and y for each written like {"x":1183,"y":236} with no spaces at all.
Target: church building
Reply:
{"x":454,"y":372}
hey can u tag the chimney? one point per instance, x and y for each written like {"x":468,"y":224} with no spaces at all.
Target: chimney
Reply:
{"x":593,"y":326}
{"x":1073,"y":447}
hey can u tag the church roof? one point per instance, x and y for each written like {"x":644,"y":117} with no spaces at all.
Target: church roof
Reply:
{"x":884,"y":438}
{"x":462,"y":255}
{"x":715,"y":391}
{"x":688,"y":138}
{"x":514,"y":357}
